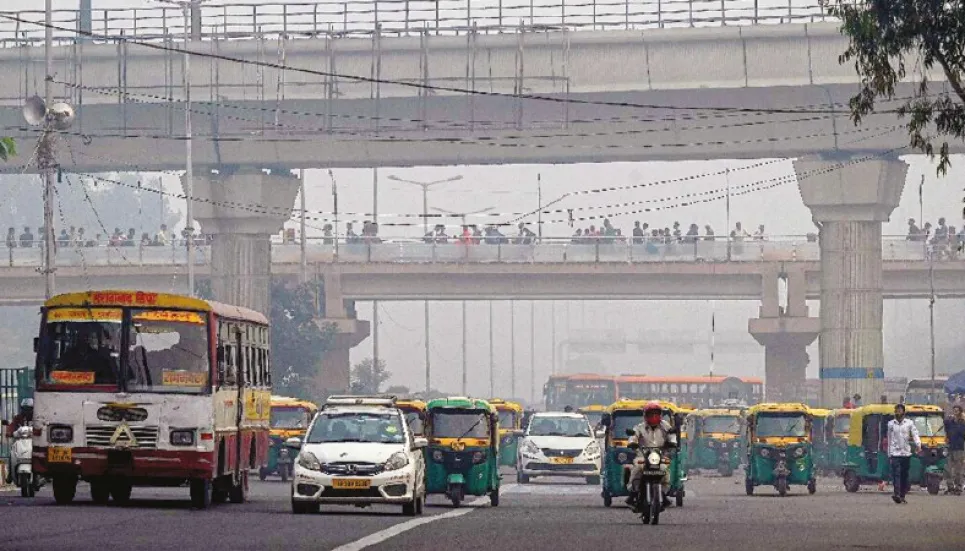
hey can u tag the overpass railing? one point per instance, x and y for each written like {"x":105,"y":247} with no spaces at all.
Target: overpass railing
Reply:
{"x":496,"y":250}
{"x":402,"y":17}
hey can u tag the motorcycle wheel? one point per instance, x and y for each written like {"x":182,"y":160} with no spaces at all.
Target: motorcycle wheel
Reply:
{"x":283,"y":471}
{"x":262,"y":473}
{"x":655,"y":504}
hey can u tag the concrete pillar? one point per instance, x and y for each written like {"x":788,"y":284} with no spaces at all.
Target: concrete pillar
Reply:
{"x":241,"y":210}
{"x":347,"y":332}
{"x":85,"y":20}
{"x":785,"y":331}
{"x":849,"y":201}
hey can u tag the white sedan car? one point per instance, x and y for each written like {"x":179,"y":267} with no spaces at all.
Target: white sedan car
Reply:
{"x":559,"y":444}
{"x":359,"y":454}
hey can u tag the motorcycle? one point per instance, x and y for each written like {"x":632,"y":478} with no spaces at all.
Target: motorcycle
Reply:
{"x":21,"y":467}
{"x":647,"y":488}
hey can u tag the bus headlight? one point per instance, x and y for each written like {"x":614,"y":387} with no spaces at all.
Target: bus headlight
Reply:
{"x":182,"y":437}
{"x":60,"y":434}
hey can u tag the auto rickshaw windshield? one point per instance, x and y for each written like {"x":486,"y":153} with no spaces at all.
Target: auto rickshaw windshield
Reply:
{"x":414,"y":420}
{"x":928,"y":424}
{"x":459,"y":424}
{"x":507,"y":419}
{"x":724,"y":424}
{"x":623,"y":420}
{"x":594,"y":417}
{"x":289,"y":417}
{"x":770,"y":425}
{"x":842,"y":424}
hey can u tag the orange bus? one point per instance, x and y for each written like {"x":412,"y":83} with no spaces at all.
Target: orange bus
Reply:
{"x":579,"y":390}
{"x":694,"y":392}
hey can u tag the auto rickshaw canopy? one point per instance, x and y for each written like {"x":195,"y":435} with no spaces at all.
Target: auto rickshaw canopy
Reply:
{"x":856,"y":431}
{"x":285,"y":401}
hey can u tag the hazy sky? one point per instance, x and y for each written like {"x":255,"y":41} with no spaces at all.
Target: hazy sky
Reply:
{"x":513,"y":188}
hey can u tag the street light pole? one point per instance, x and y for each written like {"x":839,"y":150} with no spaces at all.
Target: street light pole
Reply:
{"x":465,"y":375}
{"x":532,"y":351}
{"x":492,"y":364}
{"x":931,"y":321}
{"x":189,"y":149}
{"x":49,"y":256}
{"x":512,"y":350}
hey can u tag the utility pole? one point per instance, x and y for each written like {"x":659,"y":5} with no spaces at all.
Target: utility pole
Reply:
{"x":512,"y":350}
{"x":49,"y":257}
{"x":304,"y":252}
{"x":465,"y":370}
{"x":375,"y":303}
{"x":931,"y":320}
{"x":492,"y":364}
{"x":532,"y":351}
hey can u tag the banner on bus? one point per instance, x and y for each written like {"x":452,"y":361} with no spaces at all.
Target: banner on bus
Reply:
{"x":72,"y":377}
{"x":60,"y":315}
{"x":183,"y":378}
{"x":170,"y":315}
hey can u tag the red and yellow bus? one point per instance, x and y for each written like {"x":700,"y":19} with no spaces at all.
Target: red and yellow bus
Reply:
{"x":579,"y":390}
{"x":150,"y":389}
{"x":693,"y":392}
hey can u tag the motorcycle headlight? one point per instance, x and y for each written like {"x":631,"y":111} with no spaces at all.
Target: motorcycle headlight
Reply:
{"x":765,"y":452}
{"x":437,"y":456}
{"x":592,"y":449}
{"x":799,"y":452}
{"x":182,"y":437}
{"x":60,"y":434}
{"x":530,"y":448}
{"x":653,"y":458}
{"x":622,"y":457}
{"x":396,"y":461}
{"x":308,"y":461}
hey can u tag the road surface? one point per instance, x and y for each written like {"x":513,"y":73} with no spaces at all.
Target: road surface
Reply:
{"x":553,"y":515}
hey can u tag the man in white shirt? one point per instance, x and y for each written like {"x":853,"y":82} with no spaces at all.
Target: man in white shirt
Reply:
{"x":903,"y":440}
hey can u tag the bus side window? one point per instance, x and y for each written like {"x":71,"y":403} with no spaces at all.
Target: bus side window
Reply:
{"x":221,"y":363}
{"x":268,"y":365}
{"x":231,"y":366}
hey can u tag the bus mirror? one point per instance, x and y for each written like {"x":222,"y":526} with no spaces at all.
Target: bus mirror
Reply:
{"x":36,"y":344}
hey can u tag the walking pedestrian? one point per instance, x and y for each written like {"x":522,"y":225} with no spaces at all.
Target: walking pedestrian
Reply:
{"x":903,"y":440}
{"x":955,"y":464}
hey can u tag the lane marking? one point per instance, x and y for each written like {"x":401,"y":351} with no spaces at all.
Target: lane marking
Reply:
{"x":393,"y":531}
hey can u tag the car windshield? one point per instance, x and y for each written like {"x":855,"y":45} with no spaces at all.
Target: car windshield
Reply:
{"x":544,"y":425}
{"x":842,"y":424}
{"x":80,"y":346}
{"x":289,"y":417}
{"x":168,"y":352}
{"x":931,"y":424}
{"x":507,"y":420}
{"x":381,"y":428}
{"x":725,"y":424}
{"x":459,"y":424}
{"x":770,"y":425}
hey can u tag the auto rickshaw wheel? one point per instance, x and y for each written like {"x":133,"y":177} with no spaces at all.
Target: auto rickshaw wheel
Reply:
{"x":781,"y":486}
{"x":262,"y":473}
{"x":494,"y":498}
{"x":851,"y":482}
{"x":933,"y":484}
{"x":749,"y":486}
{"x":679,"y":497}
{"x":455,"y":495}
{"x":607,"y":498}
{"x":812,"y":486}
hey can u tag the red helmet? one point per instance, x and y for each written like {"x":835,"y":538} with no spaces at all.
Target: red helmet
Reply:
{"x":653,"y":413}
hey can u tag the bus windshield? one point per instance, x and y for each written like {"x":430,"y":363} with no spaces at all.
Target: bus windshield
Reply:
{"x":928,"y":424}
{"x":772,"y":425}
{"x":168,"y":352}
{"x":579,"y":394}
{"x":721,"y":424}
{"x":80,"y":347}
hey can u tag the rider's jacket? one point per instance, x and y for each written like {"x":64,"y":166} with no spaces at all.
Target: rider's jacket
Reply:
{"x":646,"y":436}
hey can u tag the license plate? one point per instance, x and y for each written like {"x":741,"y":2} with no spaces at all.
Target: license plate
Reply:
{"x":351,"y":483}
{"x":563,"y":460}
{"x":652,"y":473}
{"x":59,"y":455}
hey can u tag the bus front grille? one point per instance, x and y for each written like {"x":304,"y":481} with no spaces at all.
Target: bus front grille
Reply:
{"x":102,"y":436}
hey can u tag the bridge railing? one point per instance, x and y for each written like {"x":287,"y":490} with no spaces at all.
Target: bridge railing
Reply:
{"x":507,"y":250}
{"x":403,"y":17}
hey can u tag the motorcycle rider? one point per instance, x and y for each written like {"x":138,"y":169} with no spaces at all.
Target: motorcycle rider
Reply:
{"x":25,"y":417}
{"x":653,"y":432}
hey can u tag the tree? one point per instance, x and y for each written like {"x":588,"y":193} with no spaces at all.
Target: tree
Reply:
{"x":8,"y":148}
{"x":887,"y":38}
{"x":368,"y":376}
{"x":298,"y":343}
{"x":398,"y":390}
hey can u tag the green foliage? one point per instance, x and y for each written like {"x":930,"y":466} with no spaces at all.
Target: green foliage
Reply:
{"x":368,"y":376}
{"x":8,"y":148}
{"x":888,"y":39}
{"x":297,"y":342}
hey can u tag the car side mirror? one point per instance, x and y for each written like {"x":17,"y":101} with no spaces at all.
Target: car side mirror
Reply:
{"x":419,"y":443}
{"x":294,"y":442}
{"x":630,"y":432}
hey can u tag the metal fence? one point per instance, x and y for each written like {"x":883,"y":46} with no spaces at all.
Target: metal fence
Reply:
{"x":15,"y":385}
{"x":402,"y":17}
{"x":493,"y":250}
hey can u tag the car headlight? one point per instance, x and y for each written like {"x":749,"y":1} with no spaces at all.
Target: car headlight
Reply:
{"x":653,"y":458}
{"x":592,"y":449}
{"x":799,"y":452}
{"x":182,"y":437}
{"x":60,"y":434}
{"x":530,"y":448}
{"x":396,"y":461}
{"x":308,"y":461}
{"x":437,"y":456}
{"x":622,"y":457}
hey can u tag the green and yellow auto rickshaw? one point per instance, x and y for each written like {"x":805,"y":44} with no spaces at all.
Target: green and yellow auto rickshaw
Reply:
{"x":415,"y":415}
{"x":838,"y":429}
{"x":289,"y":418}
{"x":867,"y":461}
{"x":618,"y":457}
{"x":821,"y":425}
{"x":779,"y":448}
{"x":715,"y":440}
{"x":510,"y":420}
{"x":594,"y":414}
{"x":463,"y":453}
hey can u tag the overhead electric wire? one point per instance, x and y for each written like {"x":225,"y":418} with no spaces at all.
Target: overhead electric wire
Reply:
{"x":427,"y":87}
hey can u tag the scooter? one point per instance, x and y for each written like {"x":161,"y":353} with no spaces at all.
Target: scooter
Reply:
{"x":21,"y":467}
